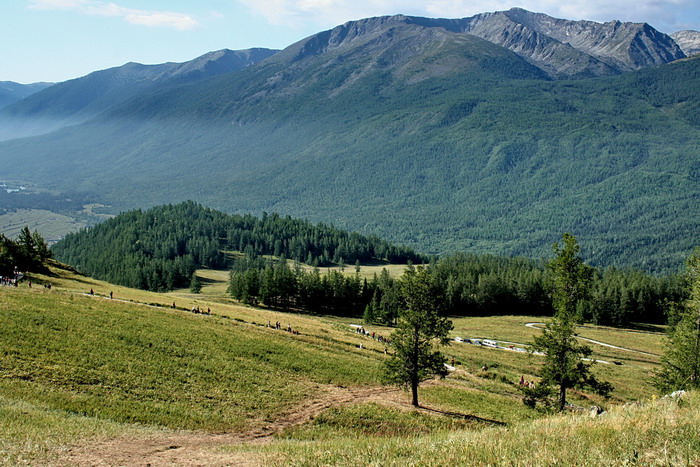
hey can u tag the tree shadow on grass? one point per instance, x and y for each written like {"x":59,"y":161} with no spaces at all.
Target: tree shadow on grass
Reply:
{"x":464,"y":416}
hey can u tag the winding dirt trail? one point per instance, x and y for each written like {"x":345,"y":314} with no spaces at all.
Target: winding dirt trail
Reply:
{"x":602,"y":344}
{"x":200,"y":449}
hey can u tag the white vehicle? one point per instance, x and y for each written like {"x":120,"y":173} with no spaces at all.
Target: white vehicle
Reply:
{"x":489,"y":343}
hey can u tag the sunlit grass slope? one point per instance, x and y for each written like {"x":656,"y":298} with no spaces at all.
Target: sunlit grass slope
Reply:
{"x":656,"y":433}
{"x":75,"y":367}
{"x":130,"y":362}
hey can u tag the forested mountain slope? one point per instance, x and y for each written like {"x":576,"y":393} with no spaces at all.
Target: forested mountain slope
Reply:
{"x":419,"y":134}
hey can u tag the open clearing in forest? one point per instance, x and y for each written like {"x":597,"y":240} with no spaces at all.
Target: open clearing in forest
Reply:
{"x":50,"y":225}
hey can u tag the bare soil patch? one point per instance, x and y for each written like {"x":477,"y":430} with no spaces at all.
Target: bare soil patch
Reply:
{"x":200,"y":449}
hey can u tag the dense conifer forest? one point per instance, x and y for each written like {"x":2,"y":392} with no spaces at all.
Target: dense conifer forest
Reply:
{"x":469,"y":285}
{"x":160,"y":248}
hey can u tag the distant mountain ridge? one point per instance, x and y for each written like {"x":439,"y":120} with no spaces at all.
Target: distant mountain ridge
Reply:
{"x":80,"y":99}
{"x":561,"y":48}
{"x":11,"y":92}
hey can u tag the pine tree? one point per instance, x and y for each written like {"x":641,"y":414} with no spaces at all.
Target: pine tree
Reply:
{"x":681,"y":362}
{"x":27,"y":259}
{"x":41,"y":247}
{"x":564,"y":365}
{"x":195,"y":284}
{"x":420,"y":330}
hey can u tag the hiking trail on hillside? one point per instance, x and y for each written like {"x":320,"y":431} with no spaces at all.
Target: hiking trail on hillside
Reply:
{"x":200,"y":448}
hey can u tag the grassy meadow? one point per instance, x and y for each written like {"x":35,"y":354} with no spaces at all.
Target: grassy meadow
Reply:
{"x":76,"y":368}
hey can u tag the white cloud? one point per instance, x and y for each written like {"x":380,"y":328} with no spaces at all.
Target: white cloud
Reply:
{"x":169,"y":19}
{"x":663,"y":14}
{"x":56,"y":4}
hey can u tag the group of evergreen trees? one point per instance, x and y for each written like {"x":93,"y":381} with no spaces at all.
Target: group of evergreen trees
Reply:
{"x":28,"y":253}
{"x":276,"y":284}
{"x":484,"y":285}
{"x":159,"y":249}
{"x":471,"y":285}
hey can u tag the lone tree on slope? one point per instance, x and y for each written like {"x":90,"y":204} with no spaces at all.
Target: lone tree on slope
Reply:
{"x":195,"y":284}
{"x":419,"y":332}
{"x":564,"y":365}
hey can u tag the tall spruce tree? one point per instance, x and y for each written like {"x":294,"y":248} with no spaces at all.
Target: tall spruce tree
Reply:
{"x":564,"y":365}
{"x":681,"y":362}
{"x":419,"y":332}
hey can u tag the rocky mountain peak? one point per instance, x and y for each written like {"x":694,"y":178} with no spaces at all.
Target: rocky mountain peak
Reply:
{"x":559,"y":47}
{"x":688,"y":41}
{"x":570,"y":48}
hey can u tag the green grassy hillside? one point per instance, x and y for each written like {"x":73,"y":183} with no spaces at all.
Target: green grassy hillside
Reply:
{"x":85,"y":376}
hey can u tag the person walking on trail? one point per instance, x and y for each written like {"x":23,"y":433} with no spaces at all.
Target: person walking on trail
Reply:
{"x":111,"y":294}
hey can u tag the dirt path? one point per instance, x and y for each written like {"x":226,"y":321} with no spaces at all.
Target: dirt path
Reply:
{"x":199,"y":449}
{"x":603,"y":344}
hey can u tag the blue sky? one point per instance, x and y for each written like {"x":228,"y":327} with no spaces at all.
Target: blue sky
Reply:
{"x":56,"y":40}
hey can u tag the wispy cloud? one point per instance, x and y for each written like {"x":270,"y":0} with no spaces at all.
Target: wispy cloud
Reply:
{"x":325,"y":13}
{"x":179,"y":21}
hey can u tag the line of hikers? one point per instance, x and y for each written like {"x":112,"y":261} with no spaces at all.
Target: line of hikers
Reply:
{"x":8,"y":281}
{"x":196,"y":310}
{"x":376,"y":336}
{"x":278,"y":325}
{"x":526,"y":384}
{"x":92,"y":292}
{"x":13,"y":279}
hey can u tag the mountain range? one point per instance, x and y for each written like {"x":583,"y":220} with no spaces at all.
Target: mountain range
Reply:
{"x":493,"y":133}
{"x":78,"y":100}
{"x":11,"y":92}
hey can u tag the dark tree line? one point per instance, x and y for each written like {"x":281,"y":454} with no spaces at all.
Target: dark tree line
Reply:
{"x":28,"y":253}
{"x":66,"y":202}
{"x":254,"y":280}
{"x":484,"y":285}
{"x":621,"y":296}
{"x":470,"y":285}
{"x":159,"y":249}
